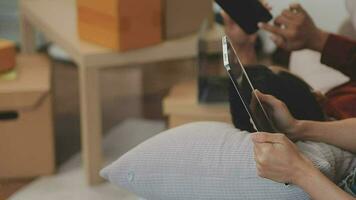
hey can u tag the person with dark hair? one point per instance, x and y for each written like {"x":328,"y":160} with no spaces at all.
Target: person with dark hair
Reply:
{"x":294,"y":91}
{"x":295,"y":111}
{"x":278,"y":158}
{"x":294,"y":29}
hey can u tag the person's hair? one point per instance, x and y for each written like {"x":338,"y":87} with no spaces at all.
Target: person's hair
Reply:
{"x":290,"y":89}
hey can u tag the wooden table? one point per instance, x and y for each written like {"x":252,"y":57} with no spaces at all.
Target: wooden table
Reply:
{"x":182,"y":106}
{"x":56,"y":19}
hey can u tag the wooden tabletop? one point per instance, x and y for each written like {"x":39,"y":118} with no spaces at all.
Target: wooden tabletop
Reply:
{"x":57,"y":20}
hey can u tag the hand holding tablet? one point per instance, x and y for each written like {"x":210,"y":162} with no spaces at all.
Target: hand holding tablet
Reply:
{"x":258,"y":115}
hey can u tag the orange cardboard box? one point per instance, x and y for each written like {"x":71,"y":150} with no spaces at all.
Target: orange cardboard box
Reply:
{"x":120,"y":24}
{"x":26,"y":127}
{"x":7,"y":55}
{"x":184,"y":17}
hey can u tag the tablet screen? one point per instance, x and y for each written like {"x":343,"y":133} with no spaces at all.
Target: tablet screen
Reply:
{"x":241,"y":81}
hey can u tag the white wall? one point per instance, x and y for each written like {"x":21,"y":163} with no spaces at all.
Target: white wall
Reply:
{"x":327,"y":14}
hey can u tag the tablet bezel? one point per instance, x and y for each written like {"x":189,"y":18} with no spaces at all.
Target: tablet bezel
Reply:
{"x":254,"y":119}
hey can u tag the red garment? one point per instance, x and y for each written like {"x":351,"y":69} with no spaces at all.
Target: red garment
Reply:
{"x":340,"y":53}
{"x":341,"y":102}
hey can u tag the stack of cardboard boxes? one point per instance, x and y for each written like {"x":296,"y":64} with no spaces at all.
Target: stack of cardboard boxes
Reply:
{"x":26,"y":130}
{"x":126,"y":24}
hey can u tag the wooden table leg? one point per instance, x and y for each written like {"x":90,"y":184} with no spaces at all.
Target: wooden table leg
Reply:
{"x":91,"y":124}
{"x":28,"y":36}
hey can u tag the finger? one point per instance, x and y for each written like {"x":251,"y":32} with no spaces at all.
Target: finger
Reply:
{"x":270,"y":102}
{"x":266,"y":5}
{"x":279,"y":41}
{"x":281,"y":20}
{"x":268,"y":99}
{"x":268,"y":138}
{"x":227,"y":20}
{"x":279,"y":25}
{"x":273,"y":29}
{"x":260,"y":171}
{"x":256,"y":152}
{"x":288,"y":14}
{"x":259,"y":159}
{"x":296,"y":8}
{"x":263,"y":149}
{"x":253,"y":102}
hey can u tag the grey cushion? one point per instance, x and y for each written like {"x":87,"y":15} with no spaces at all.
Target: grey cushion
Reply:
{"x":209,"y":160}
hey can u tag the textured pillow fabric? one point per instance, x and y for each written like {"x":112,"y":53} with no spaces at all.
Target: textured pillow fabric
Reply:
{"x":209,"y":160}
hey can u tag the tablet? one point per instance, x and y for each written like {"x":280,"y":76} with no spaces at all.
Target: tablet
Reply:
{"x":237,"y":73}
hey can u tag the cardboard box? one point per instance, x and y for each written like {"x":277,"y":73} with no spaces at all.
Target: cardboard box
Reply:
{"x":120,"y":24}
{"x":26,"y":127}
{"x":7,"y":55}
{"x":184,"y":17}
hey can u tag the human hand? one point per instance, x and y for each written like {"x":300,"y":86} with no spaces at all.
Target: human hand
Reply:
{"x":279,"y":114}
{"x":242,"y":42}
{"x":278,"y":159}
{"x":236,"y":34}
{"x":294,"y":29}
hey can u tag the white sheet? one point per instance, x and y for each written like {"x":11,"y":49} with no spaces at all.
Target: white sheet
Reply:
{"x":306,"y":64}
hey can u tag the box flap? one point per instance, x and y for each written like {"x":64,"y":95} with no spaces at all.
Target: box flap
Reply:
{"x":31,"y":85}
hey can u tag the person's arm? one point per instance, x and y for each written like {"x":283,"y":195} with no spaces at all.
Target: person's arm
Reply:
{"x":313,"y":182}
{"x":294,"y":29}
{"x":338,"y":133}
{"x":278,"y":159}
{"x":340,"y":53}
{"x":241,"y":41}
{"x":244,"y":43}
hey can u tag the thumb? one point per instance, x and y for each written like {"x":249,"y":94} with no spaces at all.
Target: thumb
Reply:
{"x":267,"y":138}
{"x":227,"y":20}
{"x":279,"y":41}
{"x":266,"y":5}
{"x":267,"y":99}
{"x":296,"y":7}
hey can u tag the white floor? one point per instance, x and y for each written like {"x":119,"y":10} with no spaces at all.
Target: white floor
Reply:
{"x":68,"y":183}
